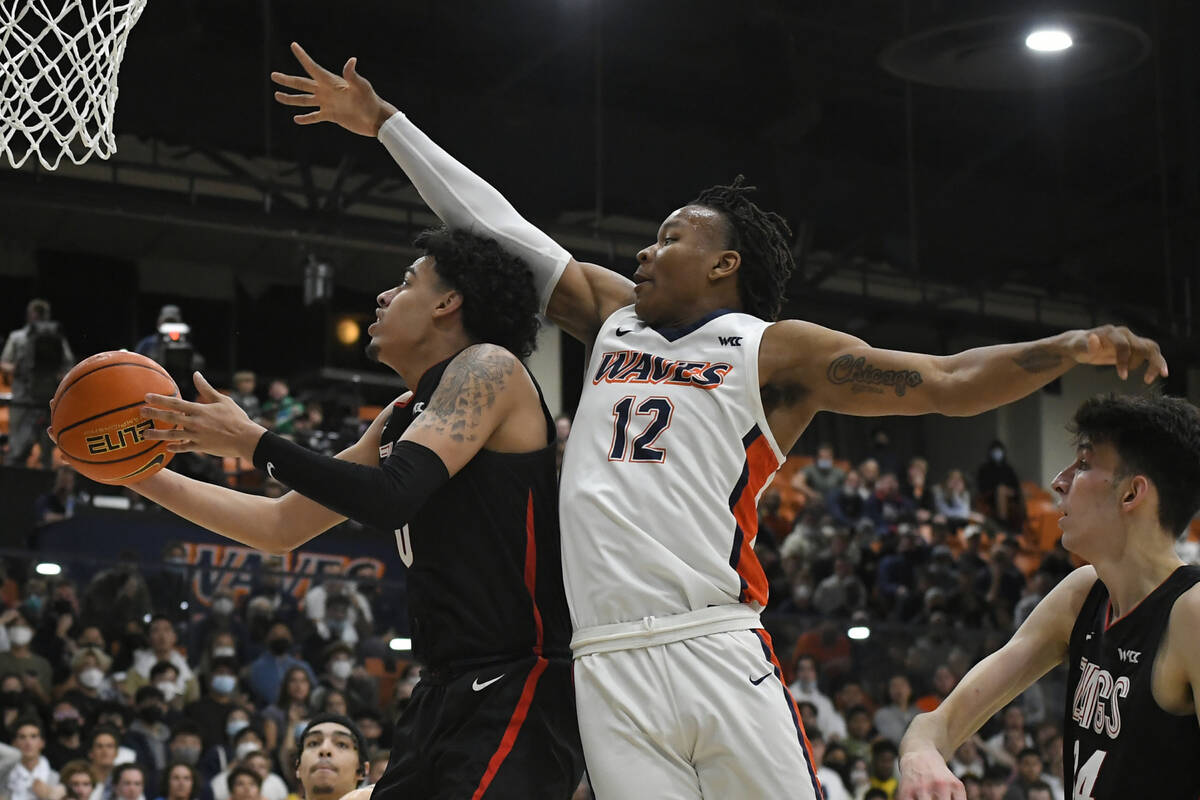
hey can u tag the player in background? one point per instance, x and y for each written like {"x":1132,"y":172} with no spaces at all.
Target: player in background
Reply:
{"x":331,"y":758}
{"x":1127,"y":623}
{"x":692,"y":396}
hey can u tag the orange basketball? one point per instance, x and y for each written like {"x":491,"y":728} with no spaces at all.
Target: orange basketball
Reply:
{"x":97,"y":422}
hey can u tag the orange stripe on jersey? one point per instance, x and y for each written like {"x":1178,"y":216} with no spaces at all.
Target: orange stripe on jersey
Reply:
{"x":760,"y":466}
{"x":531,"y":572}
{"x":514,"y":727}
{"x":769,"y":651}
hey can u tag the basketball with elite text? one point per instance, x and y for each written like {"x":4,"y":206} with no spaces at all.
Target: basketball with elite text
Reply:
{"x":97,"y":422}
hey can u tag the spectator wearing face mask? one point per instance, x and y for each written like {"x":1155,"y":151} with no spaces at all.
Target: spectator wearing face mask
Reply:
{"x":65,"y":742}
{"x":163,"y":645}
{"x":340,"y":675}
{"x":1000,"y":495}
{"x":210,"y":712}
{"x":165,"y":677}
{"x":220,"y":619}
{"x":246,"y":744}
{"x":267,"y":671}
{"x":89,"y":685}
{"x":821,"y":477}
{"x":148,"y":734}
{"x":238,"y":731}
{"x":35,"y":671}
{"x":185,"y":745}
{"x":335,"y":627}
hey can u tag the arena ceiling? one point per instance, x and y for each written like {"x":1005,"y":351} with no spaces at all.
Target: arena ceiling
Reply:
{"x":599,"y":117}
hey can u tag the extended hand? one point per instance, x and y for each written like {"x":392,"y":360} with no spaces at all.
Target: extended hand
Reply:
{"x":925,"y":776}
{"x":1116,"y":344}
{"x":346,"y":99}
{"x":215,"y":425}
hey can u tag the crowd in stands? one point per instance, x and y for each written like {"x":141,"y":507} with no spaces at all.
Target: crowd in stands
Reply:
{"x":119,"y":687}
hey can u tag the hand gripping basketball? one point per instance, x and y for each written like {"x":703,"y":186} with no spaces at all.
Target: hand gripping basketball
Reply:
{"x":216,"y":425}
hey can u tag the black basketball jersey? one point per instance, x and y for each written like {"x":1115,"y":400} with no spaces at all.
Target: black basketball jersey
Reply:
{"x":484,"y":567}
{"x":1117,"y":741}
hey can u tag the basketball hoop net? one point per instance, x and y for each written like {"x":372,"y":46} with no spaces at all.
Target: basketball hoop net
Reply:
{"x":58,"y":77}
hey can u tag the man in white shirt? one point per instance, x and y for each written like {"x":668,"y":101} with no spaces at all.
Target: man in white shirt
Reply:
{"x":163,"y":647}
{"x":29,"y":776}
{"x":805,"y":689}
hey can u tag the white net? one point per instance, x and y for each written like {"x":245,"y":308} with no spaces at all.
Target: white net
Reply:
{"x":58,"y":77}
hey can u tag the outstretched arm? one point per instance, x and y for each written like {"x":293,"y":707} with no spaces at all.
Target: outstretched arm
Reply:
{"x":277,"y":525}
{"x":1040,"y":643}
{"x":576,"y":296}
{"x":476,"y":397}
{"x":842,"y":373}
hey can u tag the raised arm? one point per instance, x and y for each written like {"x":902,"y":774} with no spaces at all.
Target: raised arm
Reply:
{"x":576,"y":296}
{"x":1038,"y":645}
{"x":839,"y":372}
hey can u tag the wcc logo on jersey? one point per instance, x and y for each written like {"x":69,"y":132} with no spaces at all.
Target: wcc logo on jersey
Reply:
{"x":1097,"y":699}
{"x":630,"y":366}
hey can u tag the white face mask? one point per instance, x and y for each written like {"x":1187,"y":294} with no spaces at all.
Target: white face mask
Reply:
{"x":246,"y":748}
{"x":824,"y":463}
{"x":224,"y":652}
{"x":168,"y":690}
{"x":91,"y":677}
{"x":20,"y":635}
{"x":341,"y":668}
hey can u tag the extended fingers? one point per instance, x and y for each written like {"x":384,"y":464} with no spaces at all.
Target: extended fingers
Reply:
{"x":166,"y":415}
{"x":283,"y":98}
{"x":166,"y":434}
{"x":296,"y":82}
{"x":311,"y":67}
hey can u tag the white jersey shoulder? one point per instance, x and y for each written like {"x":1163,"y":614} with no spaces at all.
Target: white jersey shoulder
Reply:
{"x":668,"y":454}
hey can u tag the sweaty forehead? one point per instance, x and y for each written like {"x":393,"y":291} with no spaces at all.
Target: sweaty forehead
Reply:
{"x":701,"y":218}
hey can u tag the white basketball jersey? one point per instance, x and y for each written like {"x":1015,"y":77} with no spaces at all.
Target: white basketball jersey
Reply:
{"x":667,"y":457}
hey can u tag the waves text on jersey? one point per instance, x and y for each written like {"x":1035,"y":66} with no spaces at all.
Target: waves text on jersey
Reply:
{"x":630,"y":366}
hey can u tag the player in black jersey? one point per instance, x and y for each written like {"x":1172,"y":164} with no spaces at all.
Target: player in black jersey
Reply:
{"x":1127,"y":624}
{"x":462,"y":469}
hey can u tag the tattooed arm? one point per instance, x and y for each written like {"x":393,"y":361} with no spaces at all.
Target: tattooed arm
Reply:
{"x":839,"y":372}
{"x":482,"y":400}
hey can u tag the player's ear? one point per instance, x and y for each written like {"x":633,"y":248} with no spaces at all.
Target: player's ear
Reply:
{"x":728,"y":262}
{"x":1135,"y":493}
{"x":450,"y":302}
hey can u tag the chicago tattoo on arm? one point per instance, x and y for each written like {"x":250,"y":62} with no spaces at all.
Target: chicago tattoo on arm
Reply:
{"x":471,"y":385}
{"x":865,"y":377}
{"x":1038,"y":359}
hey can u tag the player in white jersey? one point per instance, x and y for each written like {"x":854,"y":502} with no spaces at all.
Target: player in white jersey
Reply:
{"x":690,"y":401}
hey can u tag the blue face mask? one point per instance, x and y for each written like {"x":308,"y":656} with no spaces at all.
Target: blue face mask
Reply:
{"x":235,"y":726}
{"x":34,"y":603}
{"x":224,"y":684}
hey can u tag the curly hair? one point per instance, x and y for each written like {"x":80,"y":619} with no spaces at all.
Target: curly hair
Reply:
{"x":1155,"y":436}
{"x":500,"y":304}
{"x":761,"y":238}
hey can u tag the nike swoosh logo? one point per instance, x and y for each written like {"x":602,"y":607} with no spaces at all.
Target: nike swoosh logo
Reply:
{"x":622,"y":331}
{"x":763,"y":678}
{"x":479,"y":687}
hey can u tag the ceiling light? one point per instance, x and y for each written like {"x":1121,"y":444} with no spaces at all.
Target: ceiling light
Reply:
{"x":1048,"y":40}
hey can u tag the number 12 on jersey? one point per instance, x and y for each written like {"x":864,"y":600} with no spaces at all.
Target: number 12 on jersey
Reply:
{"x":1085,"y":776}
{"x":658,"y":410}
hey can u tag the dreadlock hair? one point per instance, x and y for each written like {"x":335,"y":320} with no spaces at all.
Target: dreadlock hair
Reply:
{"x":500,"y":305}
{"x":1154,"y":436}
{"x":761,"y":238}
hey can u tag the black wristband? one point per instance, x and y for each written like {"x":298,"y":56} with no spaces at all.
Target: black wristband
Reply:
{"x":384,"y":497}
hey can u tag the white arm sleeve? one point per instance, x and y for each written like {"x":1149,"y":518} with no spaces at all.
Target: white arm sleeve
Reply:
{"x":466,"y":201}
